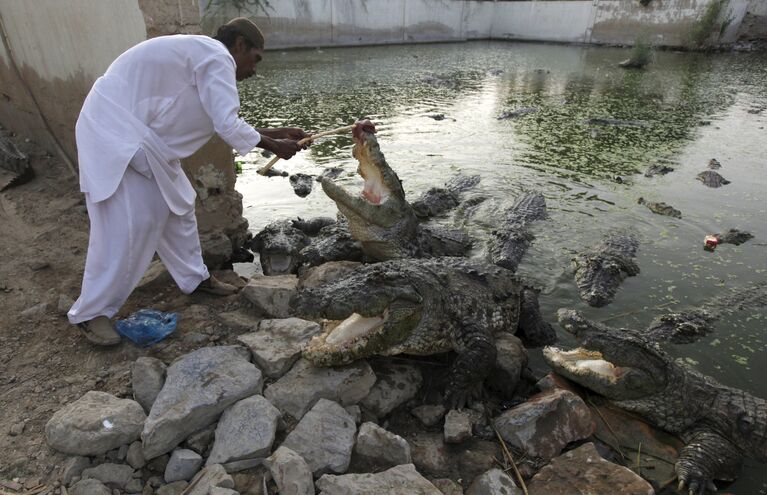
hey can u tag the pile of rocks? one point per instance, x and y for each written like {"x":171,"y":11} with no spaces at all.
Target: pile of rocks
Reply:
{"x":196,"y":425}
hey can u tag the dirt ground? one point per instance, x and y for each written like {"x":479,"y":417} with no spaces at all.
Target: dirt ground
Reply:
{"x":44,"y":361}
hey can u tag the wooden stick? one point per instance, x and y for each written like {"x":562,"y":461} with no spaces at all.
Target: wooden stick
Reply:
{"x":263,"y":170}
{"x":511,"y":459}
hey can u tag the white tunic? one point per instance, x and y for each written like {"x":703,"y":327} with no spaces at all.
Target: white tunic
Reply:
{"x":167,"y":96}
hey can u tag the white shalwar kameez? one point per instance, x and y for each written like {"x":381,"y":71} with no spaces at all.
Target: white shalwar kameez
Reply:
{"x":158,"y":102}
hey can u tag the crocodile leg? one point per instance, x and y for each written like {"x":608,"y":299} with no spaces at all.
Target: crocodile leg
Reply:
{"x":476,"y":358}
{"x":534,"y":330}
{"x":707,"y":456}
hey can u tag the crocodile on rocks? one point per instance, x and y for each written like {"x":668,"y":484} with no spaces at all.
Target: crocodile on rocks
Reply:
{"x":422,"y":307}
{"x":719,"y":425}
{"x":286,"y":246}
{"x":14,"y":165}
{"x":600,"y":270}
{"x":380,"y":218}
{"x":507,"y":244}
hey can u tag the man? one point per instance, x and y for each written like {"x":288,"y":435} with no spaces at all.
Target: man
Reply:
{"x":158,"y":102}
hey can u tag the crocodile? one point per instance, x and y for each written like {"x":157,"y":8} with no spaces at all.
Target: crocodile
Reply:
{"x":712,"y":179}
{"x":684,"y":327}
{"x":653,"y":170}
{"x":439,"y":200}
{"x":287,"y":246}
{"x":660,"y":208}
{"x":422,"y":307}
{"x":600,"y":270}
{"x":380,"y":218}
{"x":301,"y":184}
{"x":279,"y":245}
{"x":719,"y":425}
{"x":507,"y":244}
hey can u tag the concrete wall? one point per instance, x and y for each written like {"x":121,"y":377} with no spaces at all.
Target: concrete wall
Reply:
{"x":51,"y":53}
{"x":305,"y":23}
{"x":754,"y":25}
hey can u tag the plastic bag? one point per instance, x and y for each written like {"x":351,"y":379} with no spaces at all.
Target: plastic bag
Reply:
{"x":146,"y":327}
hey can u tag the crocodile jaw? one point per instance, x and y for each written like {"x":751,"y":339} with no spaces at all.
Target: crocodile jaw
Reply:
{"x":346,"y":341}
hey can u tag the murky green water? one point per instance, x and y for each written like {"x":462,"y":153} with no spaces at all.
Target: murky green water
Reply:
{"x":689,"y":107}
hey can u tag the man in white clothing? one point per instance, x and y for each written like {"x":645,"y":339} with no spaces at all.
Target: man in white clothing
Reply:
{"x":157,"y":103}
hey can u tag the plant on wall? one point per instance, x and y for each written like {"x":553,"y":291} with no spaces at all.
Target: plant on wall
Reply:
{"x":243,"y":7}
{"x":707,"y":30}
{"x":641,"y":54}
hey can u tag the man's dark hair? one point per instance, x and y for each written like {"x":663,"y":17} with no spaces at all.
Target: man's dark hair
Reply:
{"x":227,"y":35}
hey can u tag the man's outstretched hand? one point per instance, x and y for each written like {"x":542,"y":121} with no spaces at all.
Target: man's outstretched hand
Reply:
{"x":284,"y":148}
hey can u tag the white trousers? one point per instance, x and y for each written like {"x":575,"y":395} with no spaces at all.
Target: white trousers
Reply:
{"x":126,"y":230}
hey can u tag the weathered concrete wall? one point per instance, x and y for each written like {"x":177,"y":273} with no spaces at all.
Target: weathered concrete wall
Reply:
{"x":59,"y":48}
{"x":754,"y":25}
{"x":53,"y":50}
{"x":304,"y":23}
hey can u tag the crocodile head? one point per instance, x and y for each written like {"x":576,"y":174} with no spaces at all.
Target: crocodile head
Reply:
{"x":379,"y":216}
{"x":618,"y":364}
{"x":279,"y":246}
{"x":378,"y":308}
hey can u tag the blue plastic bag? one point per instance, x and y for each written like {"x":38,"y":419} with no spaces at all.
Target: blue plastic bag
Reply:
{"x":146,"y":327}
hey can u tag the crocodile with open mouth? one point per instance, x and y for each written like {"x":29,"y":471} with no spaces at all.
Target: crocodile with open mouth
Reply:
{"x":423,"y":307}
{"x":380,"y":218}
{"x":719,"y":424}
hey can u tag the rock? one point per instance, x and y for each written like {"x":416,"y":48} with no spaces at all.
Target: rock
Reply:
{"x":158,"y":464}
{"x":147,"y":379}
{"x":495,"y":482}
{"x":200,"y":440}
{"x":543,"y":425}
{"x":236,"y":466}
{"x":324,"y":438}
{"x":94,"y":424}
{"x":395,"y":385}
{"x":553,"y":381}
{"x":379,"y":448}
{"x":89,"y":487}
{"x":511,"y":359}
{"x":111,"y":475}
{"x":447,"y":486}
{"x":199,"y":387}
{"x":245,"y":431}
{"x":209,"y":478}
{"x":182,"y":466}
{"x":301,"y":388}
{"x":17,"y":429}
{"x":65,"y":302}
{"x":35,"y":311}
{"x":596,"y":476}
{"x":241,"y":320}
{"x":290,"y":472}
{"x":73,"y":467}
{"x":134,"y":486}
{"x":175,"y":488}
{"x":326,"y":272}
{"x":356,"y":413}
{"x":216,"y":249}
{"x":457,"y":426}
{"x":271,"y":294}
{"x":276,"y":344}
{"x":429,"y":415}
{"x":430,"y":454}
{"x":399,"y":480}
{"x":217,"y":490}
{"x":135,"y":456}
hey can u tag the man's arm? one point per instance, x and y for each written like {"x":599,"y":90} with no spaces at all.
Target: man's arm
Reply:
{"x":217,"y":87}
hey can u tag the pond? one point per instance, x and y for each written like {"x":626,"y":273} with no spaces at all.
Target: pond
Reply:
{"x":687,"y":108}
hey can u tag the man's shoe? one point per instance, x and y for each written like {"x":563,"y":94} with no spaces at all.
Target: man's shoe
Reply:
{"x":214,"y":286}
{"x":99,"y":331}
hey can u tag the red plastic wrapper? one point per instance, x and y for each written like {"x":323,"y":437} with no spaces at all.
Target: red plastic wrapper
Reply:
{"x":710,"y":242}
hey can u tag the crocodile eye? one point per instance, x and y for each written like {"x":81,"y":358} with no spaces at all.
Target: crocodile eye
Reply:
{"x":745,"y":424}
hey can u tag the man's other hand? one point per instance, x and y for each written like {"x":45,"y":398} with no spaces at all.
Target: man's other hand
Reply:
{"x":283,"y":148}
